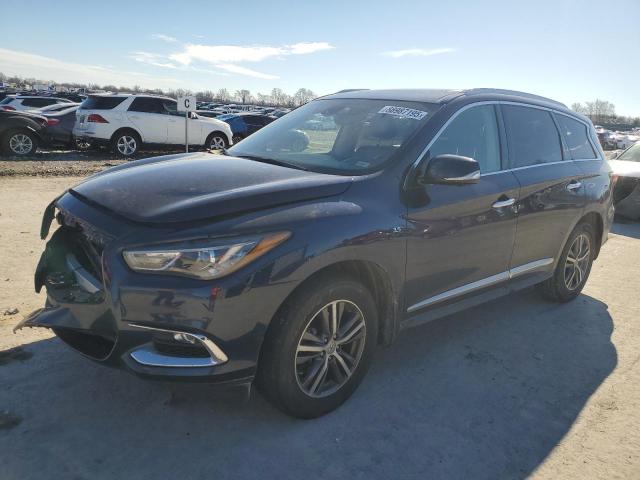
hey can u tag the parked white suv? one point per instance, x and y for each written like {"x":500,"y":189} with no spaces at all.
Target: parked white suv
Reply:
{"x":126,"y":122}
{"x":26,"y":102}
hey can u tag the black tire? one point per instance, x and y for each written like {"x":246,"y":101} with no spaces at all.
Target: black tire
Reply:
{"x":19,"y":143}
{"x":126,"y":143}
{"x":559,"y":288}
{"x":281,"y":378}
{"x":216,"y":141}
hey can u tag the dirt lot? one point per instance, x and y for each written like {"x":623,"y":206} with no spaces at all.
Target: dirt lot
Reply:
{"x":515,"y":388}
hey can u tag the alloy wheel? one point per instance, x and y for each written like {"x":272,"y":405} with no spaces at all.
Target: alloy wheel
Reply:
{"x":577,"y":263}
{"x":330,"y":348}
{"x":217,"y":143}
{"x":20,"y":144}
{"x":126,"y":145}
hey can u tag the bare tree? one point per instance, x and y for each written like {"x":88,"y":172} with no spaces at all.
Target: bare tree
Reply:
{"x":302,"y":96}
{"x":243,"y":95}
{"x":223,"y":95}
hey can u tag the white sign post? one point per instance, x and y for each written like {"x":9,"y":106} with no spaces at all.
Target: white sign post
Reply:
{"x":186,"y":105}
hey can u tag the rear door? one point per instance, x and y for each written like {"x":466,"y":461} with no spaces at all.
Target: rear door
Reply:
{"x":146,"y":114}
{"x":551,"y":192}
{"x":463,"y":235}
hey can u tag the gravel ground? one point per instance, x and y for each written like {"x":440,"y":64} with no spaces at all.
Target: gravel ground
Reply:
{"x":515,"y":388}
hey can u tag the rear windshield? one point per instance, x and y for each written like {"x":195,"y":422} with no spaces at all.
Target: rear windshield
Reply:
{"x":101,"y":103}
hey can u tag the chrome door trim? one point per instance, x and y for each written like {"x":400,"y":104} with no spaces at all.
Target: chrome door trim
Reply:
{"x":469,"y":287}
{"x":482,"y":283}
{"x":530,"y":267}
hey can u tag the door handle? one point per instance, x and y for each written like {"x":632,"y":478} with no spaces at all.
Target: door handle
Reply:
{"x":504,"y":203}
{"x":574,"y":185}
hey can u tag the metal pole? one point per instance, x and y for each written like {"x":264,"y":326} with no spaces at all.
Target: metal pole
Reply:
{"x":186,"y":131}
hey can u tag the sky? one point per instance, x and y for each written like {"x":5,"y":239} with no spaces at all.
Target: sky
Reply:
{"x":569,"y":50}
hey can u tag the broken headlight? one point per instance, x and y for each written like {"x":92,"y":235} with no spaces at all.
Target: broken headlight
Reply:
{"x":206,"y":262}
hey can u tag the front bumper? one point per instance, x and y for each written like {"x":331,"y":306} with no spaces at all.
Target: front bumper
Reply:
{"x":156,"y":326}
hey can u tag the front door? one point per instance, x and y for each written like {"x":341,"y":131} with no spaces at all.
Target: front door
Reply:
{"x":462,"y":236}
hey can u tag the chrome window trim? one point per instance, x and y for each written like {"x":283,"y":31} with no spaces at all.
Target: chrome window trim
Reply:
{"x":505,"y":102}
{"x":482,"y":283}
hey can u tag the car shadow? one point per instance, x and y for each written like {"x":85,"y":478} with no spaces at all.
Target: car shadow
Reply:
{"x":628,"y":228}
{"x":487,"y":393}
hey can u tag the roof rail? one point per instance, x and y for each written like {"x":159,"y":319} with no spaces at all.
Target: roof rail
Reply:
{"x":515,"y":93}
{"x":347,"y":90}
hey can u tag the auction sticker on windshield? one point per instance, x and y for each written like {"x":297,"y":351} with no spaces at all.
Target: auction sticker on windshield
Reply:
{"x":403,"y":112}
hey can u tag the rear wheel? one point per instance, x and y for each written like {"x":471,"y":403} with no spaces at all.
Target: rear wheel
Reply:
{"x":126,"y":143}
{"x":320,"y":347}
{"x":573,"y":267}
{"x":20,"y":143}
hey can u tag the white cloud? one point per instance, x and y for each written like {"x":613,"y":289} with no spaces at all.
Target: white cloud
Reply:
{"x":164,"y":38}
{"x":227,"y":57}
{"x":29,"y":65}
{"x":309,"y":47}
{"x":152,"y":59}
{"x":229,"y":67}
{"x":417,"y":52}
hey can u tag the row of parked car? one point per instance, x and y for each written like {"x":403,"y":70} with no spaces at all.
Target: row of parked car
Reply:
{"x":125,"y":123}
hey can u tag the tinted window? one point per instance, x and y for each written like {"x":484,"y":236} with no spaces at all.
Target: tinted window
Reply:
{"x":473,"y":133}
{"x":576,"y":136}
{"x":38,"y":102}
{"x":533,"y":136}
{"x":102,"y":103}
{"x":147,"y":105}
{"x":7,"y":100}
{"x":170,"y":107}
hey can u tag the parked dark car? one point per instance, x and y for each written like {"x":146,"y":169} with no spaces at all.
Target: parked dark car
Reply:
{"x":244,"y":124}
{"x":288,"y":262}
{"x":59,"y":130}
{"x":20,"y":132}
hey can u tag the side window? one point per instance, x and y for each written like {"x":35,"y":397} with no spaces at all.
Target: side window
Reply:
{"x":577,"y":138}
{"x":146,"y":105}
{"x":170,"y":107}
{"x":473,"y":133}
{"x":532,"y":136}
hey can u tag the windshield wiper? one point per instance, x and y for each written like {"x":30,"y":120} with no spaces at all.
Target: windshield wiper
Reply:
{"x":273,"y":161}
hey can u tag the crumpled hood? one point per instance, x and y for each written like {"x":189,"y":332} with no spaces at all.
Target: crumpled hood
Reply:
{"x":188,"y":187}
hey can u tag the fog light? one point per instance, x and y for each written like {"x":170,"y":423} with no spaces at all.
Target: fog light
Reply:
{"x":184,"y":338}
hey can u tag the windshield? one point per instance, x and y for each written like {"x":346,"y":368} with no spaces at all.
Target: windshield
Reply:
{"x":342,"y":136}
{"x":632,"y":154}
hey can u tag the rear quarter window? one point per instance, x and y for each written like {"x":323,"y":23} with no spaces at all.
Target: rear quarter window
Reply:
{"x":532,"y":136}
{"x":101,"y":103}
{"x":576,"y":137}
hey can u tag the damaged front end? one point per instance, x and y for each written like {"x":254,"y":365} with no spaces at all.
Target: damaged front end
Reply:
{"x":71,"y":269}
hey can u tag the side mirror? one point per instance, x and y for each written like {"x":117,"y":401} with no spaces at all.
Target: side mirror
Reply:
{"x":450,"y":170}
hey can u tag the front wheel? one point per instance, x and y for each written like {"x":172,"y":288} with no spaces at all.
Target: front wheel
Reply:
{"x":573,"y":267}
{"x":320,"y":347}
{"x":217,"y":141}
{"x":20,"y":143}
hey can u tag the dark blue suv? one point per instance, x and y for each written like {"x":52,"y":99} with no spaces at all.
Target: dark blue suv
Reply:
{"x":289,"y":259}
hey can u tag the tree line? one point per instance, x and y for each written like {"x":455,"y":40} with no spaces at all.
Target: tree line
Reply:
{"x":603,"y":112}
{"x":277,"y":97}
